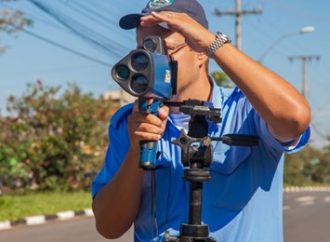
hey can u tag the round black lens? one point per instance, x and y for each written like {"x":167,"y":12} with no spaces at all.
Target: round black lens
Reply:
{"x":149,"y":44}
{"x":122,"y":72}
{"x":139,"y":84}
{"x":140,"y":61}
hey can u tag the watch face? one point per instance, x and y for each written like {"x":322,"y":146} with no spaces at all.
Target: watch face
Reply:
{"x":225,"y":38}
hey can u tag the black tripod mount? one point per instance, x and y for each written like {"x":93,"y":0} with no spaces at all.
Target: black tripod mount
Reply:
{"x":196,"y":158}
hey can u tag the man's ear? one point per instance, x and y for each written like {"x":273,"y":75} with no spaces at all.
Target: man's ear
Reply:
{"x":202,"y":58}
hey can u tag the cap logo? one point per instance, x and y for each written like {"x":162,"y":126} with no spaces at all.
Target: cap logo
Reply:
{"x":154,"y":4}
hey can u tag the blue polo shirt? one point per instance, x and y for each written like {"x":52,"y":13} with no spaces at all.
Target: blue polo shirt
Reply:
{"x":243,"y":199}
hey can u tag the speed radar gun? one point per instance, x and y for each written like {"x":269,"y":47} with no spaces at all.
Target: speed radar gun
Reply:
{"x":146,"y":73}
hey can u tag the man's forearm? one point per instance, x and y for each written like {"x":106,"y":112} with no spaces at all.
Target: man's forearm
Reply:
{"x":116,"y":205}
{"x":285,"y":111}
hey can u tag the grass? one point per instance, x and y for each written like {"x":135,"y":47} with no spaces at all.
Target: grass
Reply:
{"x":14,"y":207}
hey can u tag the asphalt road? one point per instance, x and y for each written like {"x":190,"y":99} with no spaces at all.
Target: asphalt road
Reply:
{"x":81,"y":229}
{"x":306,"y":219}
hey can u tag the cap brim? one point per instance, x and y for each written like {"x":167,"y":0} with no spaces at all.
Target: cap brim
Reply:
{"x":130,"y":21}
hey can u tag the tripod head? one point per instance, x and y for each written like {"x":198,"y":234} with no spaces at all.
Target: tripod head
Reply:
{"x":201,"y":114}
{"x":196,"y":145}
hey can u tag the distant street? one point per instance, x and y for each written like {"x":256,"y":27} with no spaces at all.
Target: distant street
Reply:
{"x":76,"y":230}
{"x":306,"y":219}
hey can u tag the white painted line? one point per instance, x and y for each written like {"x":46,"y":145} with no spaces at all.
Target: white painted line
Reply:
{"x":5,"y":225}
{"x":305,"y":199}
{"x":308,"y":203}
{"x":65,"y":215}
{"x":34,"y":220}
{"x":327,"y":199}
{"x":89,"y":212}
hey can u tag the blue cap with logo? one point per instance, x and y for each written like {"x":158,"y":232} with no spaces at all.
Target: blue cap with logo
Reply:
{"x":190,"y":7}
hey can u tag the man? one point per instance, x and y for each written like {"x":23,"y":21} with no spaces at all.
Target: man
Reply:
{"x":243,"y":199}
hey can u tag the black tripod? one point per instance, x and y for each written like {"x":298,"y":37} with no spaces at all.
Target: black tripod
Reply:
{"x":196,"y":158}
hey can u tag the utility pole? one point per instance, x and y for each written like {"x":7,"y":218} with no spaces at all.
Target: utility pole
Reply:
{"x":238,"y":13}
{"x":304,"y":60}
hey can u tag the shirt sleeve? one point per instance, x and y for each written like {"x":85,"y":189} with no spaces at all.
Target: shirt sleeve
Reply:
{"x":271,"y":141}
{"x":115,"y":155}
{"x":244,"y":119}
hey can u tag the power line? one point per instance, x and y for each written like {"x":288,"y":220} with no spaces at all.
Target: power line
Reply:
{"x":51,"y":70}
{"x":66,"y":48}
{"x":300,"y":13}
{"x":318,"y":132}
{"x":95,"y":15}
{"x":296,"y":45}
{"x":85,"y":33}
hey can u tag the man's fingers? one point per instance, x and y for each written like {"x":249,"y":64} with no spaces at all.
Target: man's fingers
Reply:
{"x":147,"y":136}
{"x":155,"y":18}
{"x":150,"y":128}
{"x":165,"y":16}
{"x":153,"y":119}
{"x":163,"y":112}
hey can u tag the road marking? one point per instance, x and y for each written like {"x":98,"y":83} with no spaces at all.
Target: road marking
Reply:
{"x":286,"y":207}
{"x":305,"y":201}
{"x":327,"y":199}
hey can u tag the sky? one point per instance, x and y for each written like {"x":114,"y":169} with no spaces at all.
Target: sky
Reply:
{"x":35,"y":55}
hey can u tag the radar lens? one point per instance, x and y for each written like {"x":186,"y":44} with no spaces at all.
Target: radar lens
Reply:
{"x":122,"y":72}
{"x":139,"y":84}
{"x":140,"y":61}
{"x":149,"y":44}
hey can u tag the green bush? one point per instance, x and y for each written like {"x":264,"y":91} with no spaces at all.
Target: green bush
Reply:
{"x":52,"y":139}
{"x":307,"y":167}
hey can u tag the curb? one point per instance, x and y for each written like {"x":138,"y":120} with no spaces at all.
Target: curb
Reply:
{"x":36,"y":220}
{"x":65,"y":215}
{"x":306,"y":189}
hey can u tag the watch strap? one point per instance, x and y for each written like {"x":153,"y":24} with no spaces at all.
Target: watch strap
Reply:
{"x":220,"y":40}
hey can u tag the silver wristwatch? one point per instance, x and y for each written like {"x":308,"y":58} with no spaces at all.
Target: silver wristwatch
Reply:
{"x":220,"y":40}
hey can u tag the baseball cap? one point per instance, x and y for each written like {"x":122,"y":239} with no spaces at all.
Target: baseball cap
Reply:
{"x":190,"y":7}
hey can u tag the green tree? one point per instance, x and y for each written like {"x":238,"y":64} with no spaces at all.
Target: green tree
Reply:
{"x":322,"y":173}
{"x":11,"y":21}
{"x":222,"y":79}
{"x":309,"y":166}
{"x":53,"y":139}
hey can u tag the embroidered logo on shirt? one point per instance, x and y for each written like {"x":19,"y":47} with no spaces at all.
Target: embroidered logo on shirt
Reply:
{"x":154,"y":4}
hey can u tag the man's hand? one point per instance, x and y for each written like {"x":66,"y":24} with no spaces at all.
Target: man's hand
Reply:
{"x":196,"y":35}
{"x":144,"y":126}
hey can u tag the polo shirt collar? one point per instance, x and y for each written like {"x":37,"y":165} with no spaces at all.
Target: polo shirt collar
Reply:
{"x":217,"y":94}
